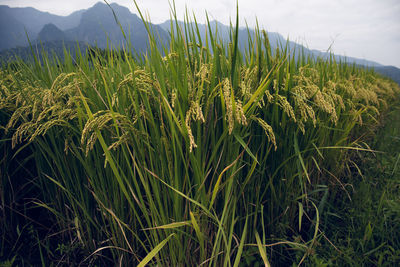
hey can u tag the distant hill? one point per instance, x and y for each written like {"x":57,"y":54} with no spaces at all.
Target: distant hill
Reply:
{"x":389,"y":71}
{"x":99,"y":27}
{"x":35,"y":19}
{"x":12,"y":31}
{"x":51,"y":33}
{"x":95,"y":26}
{"x":16,"y":22}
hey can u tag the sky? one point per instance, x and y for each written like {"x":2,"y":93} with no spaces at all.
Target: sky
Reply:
{"x":366,"y":29}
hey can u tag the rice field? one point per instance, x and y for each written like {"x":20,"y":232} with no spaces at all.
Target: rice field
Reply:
{"x":194,"y":154}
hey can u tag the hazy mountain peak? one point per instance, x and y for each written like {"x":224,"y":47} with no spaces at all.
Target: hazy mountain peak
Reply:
{"x":99,"y":27}
{"x":115,"y":6}
{"x":99,"y":4}
{"x":50,"y":32}
{"x":102,"y":11}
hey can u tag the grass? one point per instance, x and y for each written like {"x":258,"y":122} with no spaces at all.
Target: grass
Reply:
{"x":192,"y":154}
{"x":366,"y":230}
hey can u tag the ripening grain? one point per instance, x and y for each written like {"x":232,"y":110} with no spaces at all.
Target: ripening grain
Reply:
{"x":194,"y":153}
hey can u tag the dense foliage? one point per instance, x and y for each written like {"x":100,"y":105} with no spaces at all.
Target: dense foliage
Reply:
{"x":191,"y":154}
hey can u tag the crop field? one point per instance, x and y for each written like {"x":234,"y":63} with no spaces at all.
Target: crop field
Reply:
{"x":194,"y":154}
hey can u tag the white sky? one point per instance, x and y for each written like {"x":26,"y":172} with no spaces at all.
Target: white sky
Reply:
{"x":367,"y":29}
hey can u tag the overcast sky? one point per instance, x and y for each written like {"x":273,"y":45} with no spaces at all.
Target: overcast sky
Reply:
{"x":367,"y":29}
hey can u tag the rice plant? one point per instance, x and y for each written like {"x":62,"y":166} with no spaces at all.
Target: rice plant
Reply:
{"x":195,"y":153}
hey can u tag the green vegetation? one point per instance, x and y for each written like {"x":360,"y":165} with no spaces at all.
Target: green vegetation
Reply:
{"x":366,"y":232}
{"x":193,"y":154}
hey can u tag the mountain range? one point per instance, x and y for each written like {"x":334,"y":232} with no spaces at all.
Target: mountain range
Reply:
{"x":97,"y":26}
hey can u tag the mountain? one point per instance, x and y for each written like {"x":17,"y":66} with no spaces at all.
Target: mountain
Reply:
{"x":51,"y":33}
{"x":389,"y":71}
{"x":16,"y":23}
{"x":94,"y":26}
{"x":99,"y":27}
{"x":12,"y":31}
{"x":35,"y":19}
